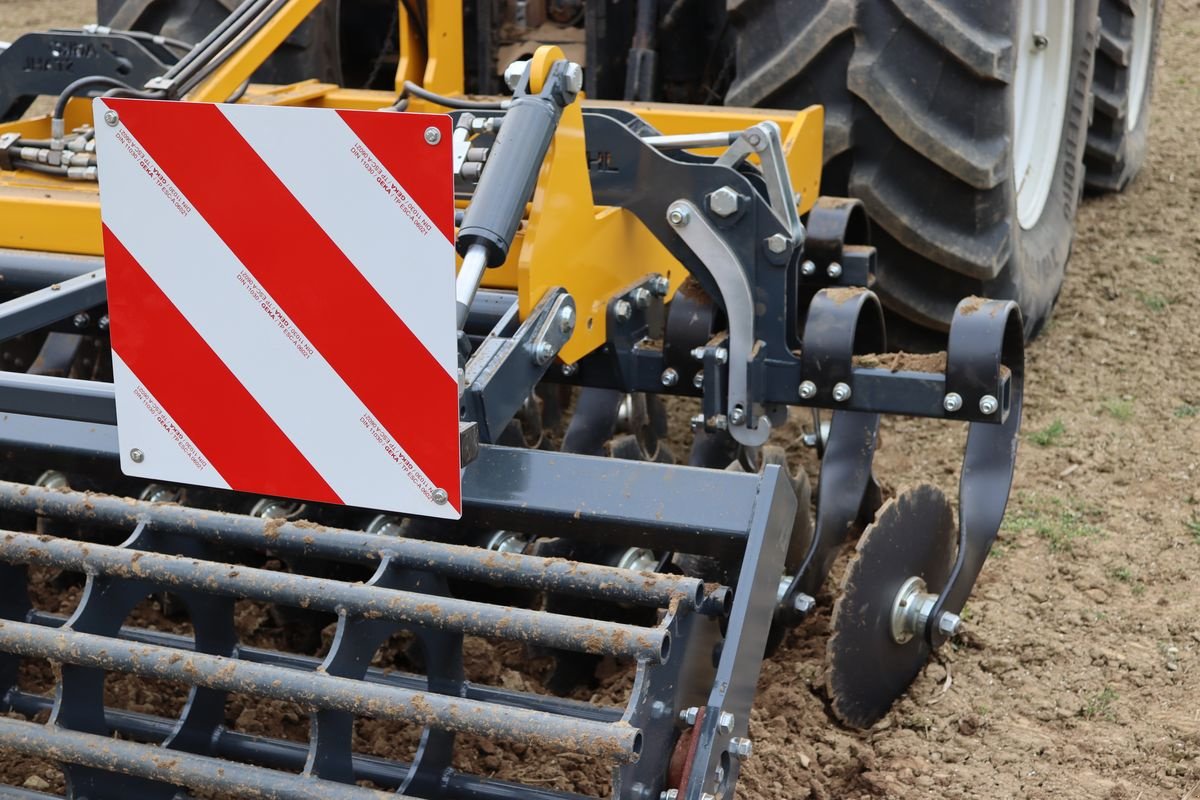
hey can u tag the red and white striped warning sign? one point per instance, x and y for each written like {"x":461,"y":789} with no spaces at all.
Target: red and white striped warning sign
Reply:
{"x":281,"y":296}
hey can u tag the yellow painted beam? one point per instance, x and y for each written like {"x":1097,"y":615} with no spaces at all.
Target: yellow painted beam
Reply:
{"x":445,"y":70}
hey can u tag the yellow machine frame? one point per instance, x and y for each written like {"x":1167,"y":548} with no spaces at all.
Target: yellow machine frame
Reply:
{"x":595,"y":252}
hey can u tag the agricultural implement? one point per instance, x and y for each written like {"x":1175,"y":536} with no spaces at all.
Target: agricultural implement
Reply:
{"x":168,"y":431}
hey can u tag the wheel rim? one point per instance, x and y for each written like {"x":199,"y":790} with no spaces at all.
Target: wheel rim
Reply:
{"x":1040,"y":82}
{"x":1139,"y":69}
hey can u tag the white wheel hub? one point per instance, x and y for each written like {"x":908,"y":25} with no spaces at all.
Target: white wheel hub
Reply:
{"x":1041,"y":80}
{"x":1139,"y":66}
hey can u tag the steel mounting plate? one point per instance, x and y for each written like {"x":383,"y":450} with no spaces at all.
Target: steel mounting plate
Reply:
{"x":281,"y":292}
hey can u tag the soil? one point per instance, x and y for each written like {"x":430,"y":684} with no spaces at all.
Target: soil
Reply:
{"x":1079,"y":672}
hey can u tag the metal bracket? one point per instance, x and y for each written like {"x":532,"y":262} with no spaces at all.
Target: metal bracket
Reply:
{"x":765,"y":140}
{"x":504,"y":369}
{"x":727,"y":270}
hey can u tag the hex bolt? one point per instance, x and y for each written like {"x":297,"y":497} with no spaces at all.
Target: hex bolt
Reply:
{"x":988,"y":404}
{"x":808,"y":268}
{"x":111,"y":118}
{"x":949,"y":624}
{"x":623,"y":310}
{"x":566,"y":319}
{"x":808,"y":390}
{"x":688,"y":715}
{"x":741,"y":747}
{"x":669,"y":377}
{"x":718,"y":423}
{"x":698,"y":353}
{"x":641,"y":297}
{"x":679,"y":216}
{"x":669,"y":794}
{"x":660,"y":285}
{"x":514,"y":72}
{"x":738,"y":415}
{"x":778,"y":243}
{"x":569,"y":369}
{"x":698,"y":379}
{"x":440,"y":497}
{"x":803,"y":603}
{"x":724,"y":202}
{"x":432,"y":135}
{"x":753,"y":139}
{"x":721,"y":355}
{"x":841,"y":392}
{"x":574,"y":77}
{"x":725,"y":722}
{"x":103,"y":323}
{"x":952,"y":402}
{"x":137,"y":456}
{"x":1040,"y":42}
{"x":696,"y":422}
{"x":834,"y":270}
{"x":81,"y":320}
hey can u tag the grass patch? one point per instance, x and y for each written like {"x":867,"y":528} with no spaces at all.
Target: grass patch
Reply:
{"x":1100,"y":705}
{"x":1186,"y":410}
{"x":1119,"y":409}
{"x":1060,"y":523}
{"x":1122,"y":574}
{"x":1154,"y":302}
{"x":1049,"y":435}
{"x":1193,"y":527}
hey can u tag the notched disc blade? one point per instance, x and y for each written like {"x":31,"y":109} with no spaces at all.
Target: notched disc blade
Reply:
{"x":866,"y":670}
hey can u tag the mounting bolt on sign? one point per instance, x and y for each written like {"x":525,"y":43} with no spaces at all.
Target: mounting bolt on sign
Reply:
{"x":255,"y":305}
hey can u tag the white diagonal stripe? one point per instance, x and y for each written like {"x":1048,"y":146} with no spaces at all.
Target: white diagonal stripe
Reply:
{"x":165,"y":447}
{"x":415,"y":273}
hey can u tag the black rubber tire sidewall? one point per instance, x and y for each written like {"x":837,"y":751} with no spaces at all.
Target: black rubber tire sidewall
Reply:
{"x":1115,"y":153}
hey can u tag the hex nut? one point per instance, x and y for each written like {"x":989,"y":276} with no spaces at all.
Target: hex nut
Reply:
{"x":808,"y":390}
{"x":841,"y":392}
{"x":952,"y":402}
{"x":949,"y":624}
{"x":724,"y":202}
{"x":778,"y":243}
{"x":679,"y":216}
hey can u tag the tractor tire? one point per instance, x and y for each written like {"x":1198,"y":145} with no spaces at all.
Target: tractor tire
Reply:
{"x":1125,"y":57}
{"x":921,"y":99}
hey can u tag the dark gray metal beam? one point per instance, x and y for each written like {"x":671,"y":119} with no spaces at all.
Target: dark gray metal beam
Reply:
{"x":26,"y":270}
{"x":57,"y":398}
{"x":37,"y":309}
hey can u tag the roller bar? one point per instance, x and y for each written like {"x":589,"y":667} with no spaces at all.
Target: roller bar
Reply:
{"x":317,"y":690}
{"x":225,"y":529}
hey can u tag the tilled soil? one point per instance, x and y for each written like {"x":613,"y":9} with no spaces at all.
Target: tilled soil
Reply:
{"x":1077,"y":677}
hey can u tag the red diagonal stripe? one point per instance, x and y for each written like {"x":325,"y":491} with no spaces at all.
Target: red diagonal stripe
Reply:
{"x":306,"y":273}
{"x":196,"y":388}
{"x":401,"y":151}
